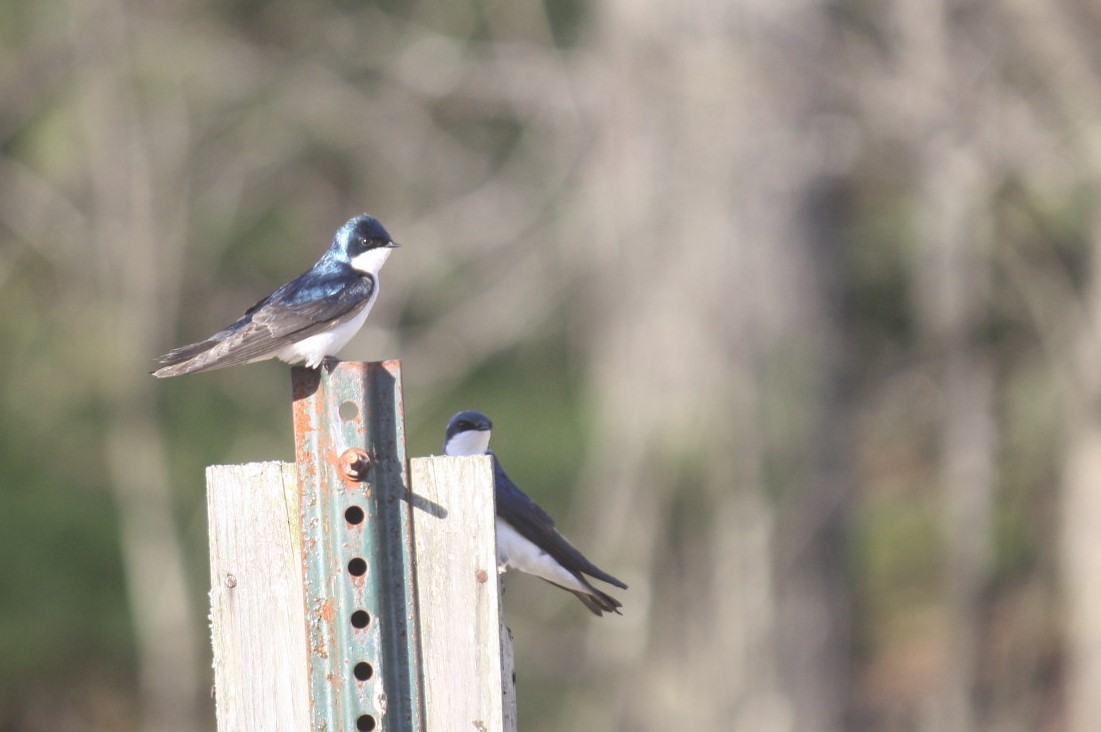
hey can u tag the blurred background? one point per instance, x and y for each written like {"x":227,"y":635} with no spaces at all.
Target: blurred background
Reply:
{"x":788,"y":310}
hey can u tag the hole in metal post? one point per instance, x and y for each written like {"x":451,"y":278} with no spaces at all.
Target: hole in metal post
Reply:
{"x":365,"y":723}
{"x":357,"y":567}
{"x":363,"y":671}
{"x":348,"y":410}
{"x":360,"y":619}
{"x":354,"y":515}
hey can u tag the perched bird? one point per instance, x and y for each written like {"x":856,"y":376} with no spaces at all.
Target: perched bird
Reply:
{"x":526,"y":536}
{"x":306,"y":320}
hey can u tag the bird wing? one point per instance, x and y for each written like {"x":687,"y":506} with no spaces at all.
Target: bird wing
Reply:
{"x":301,"y":312}
{"x":295,"y":311}
{"x":537,"y":526}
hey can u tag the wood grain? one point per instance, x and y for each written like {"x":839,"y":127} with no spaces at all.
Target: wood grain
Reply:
{"x":466,"y":685}
{"x":257,"y":617}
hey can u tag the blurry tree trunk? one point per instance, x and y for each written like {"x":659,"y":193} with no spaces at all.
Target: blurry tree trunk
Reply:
{"x":951,"y":286}
{"x":135,"y":267}
{"x":950,"y":272}
{"x":1062,"y":48}
{"x":1081,"y":511}
{"x":813,"y":533}
{"x":711,"y":323}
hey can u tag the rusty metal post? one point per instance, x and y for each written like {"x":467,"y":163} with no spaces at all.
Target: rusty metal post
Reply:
{"x":357,"y":548}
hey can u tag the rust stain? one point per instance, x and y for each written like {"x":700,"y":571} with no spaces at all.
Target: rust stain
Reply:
{"x":323,"y":615}
{"x":303,"y":427}
{"x":307,"y":471}
{"x":482,"y":576}
{"x":353,"y":465}
{"x":319,"y":648}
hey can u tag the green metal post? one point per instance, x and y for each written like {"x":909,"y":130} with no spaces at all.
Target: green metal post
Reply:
{"x":357,"y":548}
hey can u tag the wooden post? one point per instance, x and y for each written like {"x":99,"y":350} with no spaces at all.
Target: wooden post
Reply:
{"x":293,"y":620}
{"x":257,"y":619}
{"x":468,"y":671}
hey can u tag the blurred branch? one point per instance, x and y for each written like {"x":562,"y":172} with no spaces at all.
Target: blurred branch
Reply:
{"x":1059,"y":49}
{"x":41,"y":215}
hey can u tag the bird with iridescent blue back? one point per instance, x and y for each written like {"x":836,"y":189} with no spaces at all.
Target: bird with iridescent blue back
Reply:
{"x":306,"y":320}
{"x":527,"y":538}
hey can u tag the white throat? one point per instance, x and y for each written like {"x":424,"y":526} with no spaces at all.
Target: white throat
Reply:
{"x":471,"y":442}
{"x":371,"y":261}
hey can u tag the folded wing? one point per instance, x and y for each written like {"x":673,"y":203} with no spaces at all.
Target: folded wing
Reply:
{"x":288,"y":315}
{"x":536,"y":525}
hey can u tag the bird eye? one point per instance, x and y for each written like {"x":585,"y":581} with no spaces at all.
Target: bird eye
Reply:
{"x":464,"y":425}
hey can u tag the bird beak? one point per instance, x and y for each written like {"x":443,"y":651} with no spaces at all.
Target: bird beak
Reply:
{"x":393,"y":245}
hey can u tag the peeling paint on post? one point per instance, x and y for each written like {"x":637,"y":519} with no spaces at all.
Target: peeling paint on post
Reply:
{"x":357,"y":548}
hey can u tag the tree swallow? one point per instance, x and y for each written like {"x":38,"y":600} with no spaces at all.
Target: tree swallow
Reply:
{"x":527,"y":539}
{"x":306,"y":320}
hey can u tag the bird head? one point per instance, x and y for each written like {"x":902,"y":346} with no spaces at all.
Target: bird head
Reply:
{"x":363,"y":243}
{"x":467,"y":434}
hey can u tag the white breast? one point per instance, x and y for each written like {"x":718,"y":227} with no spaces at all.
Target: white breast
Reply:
{"x":470,"y":442}
{"x":311,"y":351}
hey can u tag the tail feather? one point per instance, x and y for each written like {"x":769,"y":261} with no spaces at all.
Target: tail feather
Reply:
{"x":598,"y":602}
{"x":186,"y":353}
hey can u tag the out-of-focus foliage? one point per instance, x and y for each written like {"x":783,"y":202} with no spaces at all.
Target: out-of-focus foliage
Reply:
{"x":788,"y":312}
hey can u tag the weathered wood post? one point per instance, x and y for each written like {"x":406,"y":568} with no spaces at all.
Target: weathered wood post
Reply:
{"x":326,"y":614}
{"x":455,"y":525}
{"x":257,"y":616}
